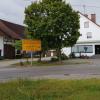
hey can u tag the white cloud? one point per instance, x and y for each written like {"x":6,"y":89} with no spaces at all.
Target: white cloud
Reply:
{"x":13,"y":10}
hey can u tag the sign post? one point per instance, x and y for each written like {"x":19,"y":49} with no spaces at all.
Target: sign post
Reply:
{"x":31,"y":46}
{"x":31,"y":58}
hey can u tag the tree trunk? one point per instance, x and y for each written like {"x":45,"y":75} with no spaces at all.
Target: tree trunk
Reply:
{"x":59,"y":54}
{"x":40,"y":56}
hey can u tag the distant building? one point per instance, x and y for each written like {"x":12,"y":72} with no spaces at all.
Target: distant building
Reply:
{"x":88,"y":43}
{"x":9,"y":32}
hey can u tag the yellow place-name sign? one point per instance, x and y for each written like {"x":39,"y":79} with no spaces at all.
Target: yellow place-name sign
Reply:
{"x":31,"y":45}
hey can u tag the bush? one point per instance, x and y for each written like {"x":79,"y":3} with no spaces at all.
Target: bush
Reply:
{"x":54,"y":59}
{"x":84,"y":57}
{"x":1,"y":57}
{"x":18,"y":56}
{"x":64,"y":57}
{"x":72,"y":55}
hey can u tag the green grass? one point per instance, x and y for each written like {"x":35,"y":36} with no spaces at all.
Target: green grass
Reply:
{"x":43,"y":63}
{"x":50,"y":63}
{"x":50,"y":90}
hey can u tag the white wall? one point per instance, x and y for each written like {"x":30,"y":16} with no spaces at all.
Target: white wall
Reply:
{"x":1,"y":46}
{"x":93,"y":28}
{"x":66,"y":51}
{"x":83,"y":40}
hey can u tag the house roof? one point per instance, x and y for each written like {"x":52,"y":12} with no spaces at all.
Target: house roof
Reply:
{"x":89,"y":19}
{"x":12,"y":30}
{"x":1,"y":33}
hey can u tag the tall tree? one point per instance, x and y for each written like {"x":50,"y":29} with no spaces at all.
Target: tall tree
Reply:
{"x":54,"y":22}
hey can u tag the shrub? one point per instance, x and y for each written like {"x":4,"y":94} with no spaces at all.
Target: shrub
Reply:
{"x":54,"y":59}
{"x":1,"y":57}
{"x":64,"y":57}
{"x":18,"y":56}
{"x":84,"y":57}
{"x":72,"y":55}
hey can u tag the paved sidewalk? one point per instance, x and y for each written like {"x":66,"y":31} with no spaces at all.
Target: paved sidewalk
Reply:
{"x":8,"y":62}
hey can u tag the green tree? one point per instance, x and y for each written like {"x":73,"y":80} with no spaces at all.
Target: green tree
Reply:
{"x":18,"y":45}
{"x":54,"y":22}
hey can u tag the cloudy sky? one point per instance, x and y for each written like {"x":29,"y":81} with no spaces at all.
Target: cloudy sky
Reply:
{"x":91,"y":6}
{"x":13,"y":10}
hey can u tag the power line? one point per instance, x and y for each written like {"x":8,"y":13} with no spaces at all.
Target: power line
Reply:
{"x":87,"y":6}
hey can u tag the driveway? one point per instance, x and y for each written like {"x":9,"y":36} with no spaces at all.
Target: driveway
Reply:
{"x":72,"y":71}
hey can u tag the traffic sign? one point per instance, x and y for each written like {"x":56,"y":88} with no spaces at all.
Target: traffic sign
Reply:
{"x":31,"y":45}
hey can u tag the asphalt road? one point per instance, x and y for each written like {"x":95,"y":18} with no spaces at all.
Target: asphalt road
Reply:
{"x":90,"y":70}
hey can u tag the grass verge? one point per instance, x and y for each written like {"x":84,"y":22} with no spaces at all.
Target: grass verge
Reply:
{"x":50,"y":63}
{"x":50,"y":90}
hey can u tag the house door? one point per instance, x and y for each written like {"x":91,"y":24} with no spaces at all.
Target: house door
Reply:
{"x":9,"y":51}
{"x":97,"y":49}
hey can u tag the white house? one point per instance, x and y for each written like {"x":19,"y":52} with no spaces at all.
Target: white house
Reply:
{"x":88,"y":43}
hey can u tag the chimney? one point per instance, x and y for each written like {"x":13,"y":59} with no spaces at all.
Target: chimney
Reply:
{"x":93,"y":17}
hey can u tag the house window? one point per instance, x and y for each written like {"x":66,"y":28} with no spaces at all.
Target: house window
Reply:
{"x":82,"y":49}
{"x":85,"y":48}
{"x":75,"y":49}
{"x":18,"y":52}
{"x":89,"y":35}
{"x":86,"y":24}
{"x":7,"y":39}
